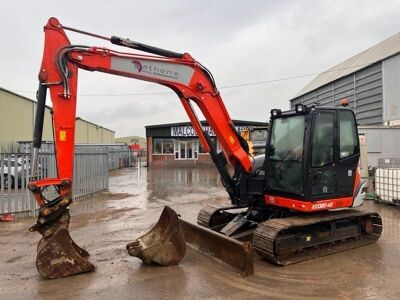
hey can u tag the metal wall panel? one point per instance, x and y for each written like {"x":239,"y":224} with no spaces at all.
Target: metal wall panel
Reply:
{"x":391,"y":88}
{"x":87,"y":132}
{"x":17,"y":115}
{"x":382,"y":141}
{"x":363,"y":89}
{"x":369,"y":93}
{"x":17,"y":119}
{"x":296,"y":101}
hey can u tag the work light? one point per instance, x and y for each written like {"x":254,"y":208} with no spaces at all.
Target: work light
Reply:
{"x":300,"y":108}
{"x":275,"y":113}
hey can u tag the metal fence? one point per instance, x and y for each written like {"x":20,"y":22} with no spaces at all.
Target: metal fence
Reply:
{"x":90,"y":177}
{"x":118,"y":155}
{"x":389,"y":163}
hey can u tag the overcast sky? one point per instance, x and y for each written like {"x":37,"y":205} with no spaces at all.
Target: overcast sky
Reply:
{"x":238,"y":41}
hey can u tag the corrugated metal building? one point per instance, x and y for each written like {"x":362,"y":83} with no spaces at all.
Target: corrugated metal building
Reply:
{"x":370,"y":80}
{"x":17,"y":115}
{"x":382,"y":142}
{"x":90,"y":133}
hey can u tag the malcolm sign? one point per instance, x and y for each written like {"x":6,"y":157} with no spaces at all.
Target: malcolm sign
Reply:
{"x":188,"y":131}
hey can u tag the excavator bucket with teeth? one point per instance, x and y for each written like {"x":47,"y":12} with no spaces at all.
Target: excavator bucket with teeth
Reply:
{"x":164,"y":244}
{"x":57,"y":254}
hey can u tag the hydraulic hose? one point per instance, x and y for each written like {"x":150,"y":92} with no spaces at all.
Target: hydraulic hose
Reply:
{"x":38,"y":129}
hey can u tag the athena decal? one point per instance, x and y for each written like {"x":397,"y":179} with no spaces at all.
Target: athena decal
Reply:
{"x":153,"y":69}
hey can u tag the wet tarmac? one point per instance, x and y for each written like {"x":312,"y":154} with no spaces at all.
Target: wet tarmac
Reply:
{"x":104,"y":224}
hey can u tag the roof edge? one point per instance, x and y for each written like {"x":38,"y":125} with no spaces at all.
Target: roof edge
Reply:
{"x":340,"y":66}
{"x":203,"y":122}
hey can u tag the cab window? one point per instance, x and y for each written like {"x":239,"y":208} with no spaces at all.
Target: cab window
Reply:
{"x":286,"y":154}
{"x":322,"y":144}
{"x":348,"y":134}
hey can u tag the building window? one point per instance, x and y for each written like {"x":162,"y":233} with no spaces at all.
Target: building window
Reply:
{"x":168,"y":146}
{"x":201,"y":149}
{"x":157,"y":146}
{"x":163,"y":146}
{"x":214,"y":141}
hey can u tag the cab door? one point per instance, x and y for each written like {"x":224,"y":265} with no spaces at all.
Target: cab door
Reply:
{"x":322,"y":168}
{"x":349,"y":152}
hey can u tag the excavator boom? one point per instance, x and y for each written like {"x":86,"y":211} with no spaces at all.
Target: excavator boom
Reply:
{"x":192,"y":83}
{"x":187,"y":78}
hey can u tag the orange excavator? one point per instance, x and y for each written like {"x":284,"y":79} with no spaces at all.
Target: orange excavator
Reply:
{"x":292,"y":203}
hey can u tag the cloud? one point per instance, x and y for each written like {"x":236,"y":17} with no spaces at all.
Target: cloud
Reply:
{"x":239,"y":41}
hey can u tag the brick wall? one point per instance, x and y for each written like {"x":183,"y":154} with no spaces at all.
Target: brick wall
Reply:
{"x":162,"y":160}
{"x":149,"y":150}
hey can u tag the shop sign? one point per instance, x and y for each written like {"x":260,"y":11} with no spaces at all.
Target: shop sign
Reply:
{"x":394,"y":123}
{"x":188,"y":131}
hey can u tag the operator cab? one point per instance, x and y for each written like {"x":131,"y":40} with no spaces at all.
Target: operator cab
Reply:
{"x":312,"y":153}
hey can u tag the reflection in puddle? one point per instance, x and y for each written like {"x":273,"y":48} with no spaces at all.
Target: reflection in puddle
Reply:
{"x":171,"y":182}
{"x":163,"y":185}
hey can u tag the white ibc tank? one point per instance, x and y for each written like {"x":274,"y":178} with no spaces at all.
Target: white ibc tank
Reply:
{"x":387,"y":184}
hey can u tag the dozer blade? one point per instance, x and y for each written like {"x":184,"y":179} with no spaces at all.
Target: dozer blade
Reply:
{"x":57,"y":254}
{"x":234,"y":253}
{"x":164,"y":244}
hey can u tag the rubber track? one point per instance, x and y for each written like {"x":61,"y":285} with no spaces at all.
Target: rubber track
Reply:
{"x":206,"y":213}
{"x":266,"y":233}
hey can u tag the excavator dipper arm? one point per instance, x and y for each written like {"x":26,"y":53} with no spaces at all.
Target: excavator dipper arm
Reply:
{"x":187,"y":78}
{"x":59,"y":73}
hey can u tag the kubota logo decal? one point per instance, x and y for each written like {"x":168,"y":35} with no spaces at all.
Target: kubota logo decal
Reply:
{"x":138,"y":65}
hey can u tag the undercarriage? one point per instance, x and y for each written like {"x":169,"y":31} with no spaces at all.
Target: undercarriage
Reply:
{"x":287,"y":237}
